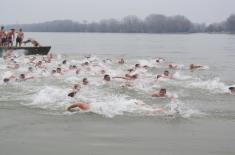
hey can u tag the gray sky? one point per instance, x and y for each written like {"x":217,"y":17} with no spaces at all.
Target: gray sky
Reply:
{"x":33,"y":11}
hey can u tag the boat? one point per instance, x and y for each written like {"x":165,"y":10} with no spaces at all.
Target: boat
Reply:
{"x":41,"y":50}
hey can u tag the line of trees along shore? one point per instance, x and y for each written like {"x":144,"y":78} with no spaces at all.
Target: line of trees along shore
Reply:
{"x":154,"y":23}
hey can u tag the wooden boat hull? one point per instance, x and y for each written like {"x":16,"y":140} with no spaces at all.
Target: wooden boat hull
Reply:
{"x":43,"y":50}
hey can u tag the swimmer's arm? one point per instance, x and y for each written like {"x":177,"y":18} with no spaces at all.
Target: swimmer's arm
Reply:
{"x":31,"y":77}
{"x":119,"y":77}
{"x":155,"y":95}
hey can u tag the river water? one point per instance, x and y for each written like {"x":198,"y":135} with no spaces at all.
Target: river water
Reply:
{"x":200,"y":111}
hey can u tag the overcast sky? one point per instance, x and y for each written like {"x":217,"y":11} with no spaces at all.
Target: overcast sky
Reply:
{"x":33,"y":11}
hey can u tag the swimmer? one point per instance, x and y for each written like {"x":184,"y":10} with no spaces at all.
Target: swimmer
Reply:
{"x":128,"y":77}
{"x":232,"y":89}
{"x":53,"y":72}
{"x":85,"y":64}
{"x":79,"y":105}
{"x":107,"y":77}
{"x":15,"y":66}
{"x":172,"y":66}
{"x":59,"y":71}
{"x":193,"y":66}
{"x":78,"y":71}
{"x":161,"y":93}
{"x":64,"y":62}
{"x":160,"y":60}
{"x":75,"y":89}
{"x":121,"y":61}
{"x":85,"y":81}
{"x":22,"y":77}
{"x":164,"y":75}
{"x":139,"y":66}
{"x":8,"y":79}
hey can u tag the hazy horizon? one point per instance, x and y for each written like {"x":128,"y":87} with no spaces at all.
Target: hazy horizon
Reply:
{"x":31,"y":11}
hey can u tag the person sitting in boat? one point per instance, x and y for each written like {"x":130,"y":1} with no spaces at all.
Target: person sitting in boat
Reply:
{"x":34,"y":42}
{"x":10,"y":37}
{"x":19,"y":38}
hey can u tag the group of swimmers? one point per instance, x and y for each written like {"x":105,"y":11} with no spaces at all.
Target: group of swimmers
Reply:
{"x":42,"y":64}
{"x":7,"y":38}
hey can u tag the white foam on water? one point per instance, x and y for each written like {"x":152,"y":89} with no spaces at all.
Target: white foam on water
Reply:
{"x":214,"y":85}
{"x":179,"y":76}
{"x":178,"y":108}
{"x":50,"y":98}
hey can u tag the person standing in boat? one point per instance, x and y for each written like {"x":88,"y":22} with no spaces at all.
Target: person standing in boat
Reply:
{"x":10,"y":37}
{"x":19,"y":38}
{"x":2,"y":37}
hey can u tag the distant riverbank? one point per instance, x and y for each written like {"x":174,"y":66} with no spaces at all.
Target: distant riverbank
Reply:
{"x":154,"y":23}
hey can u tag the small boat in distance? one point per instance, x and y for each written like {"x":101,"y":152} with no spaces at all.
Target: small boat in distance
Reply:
{"x":41,"y":50}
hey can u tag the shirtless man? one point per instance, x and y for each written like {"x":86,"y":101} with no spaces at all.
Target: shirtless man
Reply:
{"x":161,"y":93}
{"x":79,"y":106}
{"x":22,"y":77}
{"x":10,"y":37}
{"x":164,"y":75}
{"x":2,"y":37}
{"x":19,"y":38}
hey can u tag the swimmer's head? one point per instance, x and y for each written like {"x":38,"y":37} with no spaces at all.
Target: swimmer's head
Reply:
{"x":30,"y":69}
{"x":191,"y":66}
{"x":162,"y":92}
{"x":39,"y":63}
{"x":166,"y":73}
{"x":64,"y":62}
{"x":53,"y":71}
{"x":135,"y":76}
{"x":85,"y":81}
{"x":77,"y":71}
{"x":107,"y":77}
{"x":137,"y":65}
{"x":121,"y":61}
{"x":77,"y":86}
{"x":58,"y":70}
{"x":72,"y":94}
{"x":86,"y":63}
{"x":232,"y":89}
{"x":5,"y":80}
{"x":102,"y":71}
{"x":131,"y":70}
{"x":22,"y":76}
